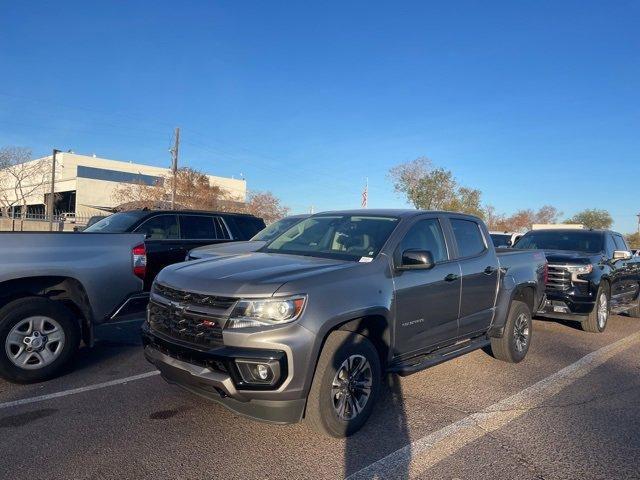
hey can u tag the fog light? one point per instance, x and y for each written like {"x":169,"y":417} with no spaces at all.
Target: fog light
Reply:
{"x":263,"y":371}
{"x":258,"y":372}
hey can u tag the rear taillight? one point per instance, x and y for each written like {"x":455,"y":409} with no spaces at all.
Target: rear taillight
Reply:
{"x":139,"y":255}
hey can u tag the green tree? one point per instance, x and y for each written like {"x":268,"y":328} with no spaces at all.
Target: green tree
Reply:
{"x":592,"y":218}
{"x":434,"y":188}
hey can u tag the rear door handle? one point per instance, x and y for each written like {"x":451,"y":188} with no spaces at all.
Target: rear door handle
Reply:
{"x":489,"y":270}
{"x":452,"y":277}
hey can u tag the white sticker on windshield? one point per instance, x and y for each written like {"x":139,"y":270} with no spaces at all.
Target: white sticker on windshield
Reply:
{"x":365,"y":259}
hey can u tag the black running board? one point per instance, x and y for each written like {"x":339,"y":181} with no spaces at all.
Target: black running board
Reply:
{"x":421,"y":362}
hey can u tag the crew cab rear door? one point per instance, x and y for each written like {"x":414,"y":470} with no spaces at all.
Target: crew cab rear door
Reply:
{"x":427,"y":301}
{"x":624,"y":275}
{"x":479,"y":270}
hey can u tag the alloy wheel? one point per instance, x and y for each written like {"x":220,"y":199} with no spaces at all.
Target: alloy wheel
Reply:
{"x":351,"y":387}
{"x":603,"y":310}
{"x":521,"y":332}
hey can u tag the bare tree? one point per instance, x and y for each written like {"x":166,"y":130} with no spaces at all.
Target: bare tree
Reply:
{"x":21,"y":178}
{"x":266,"y":206}
{"x":522,"y":220}
{"x":193,"y":191}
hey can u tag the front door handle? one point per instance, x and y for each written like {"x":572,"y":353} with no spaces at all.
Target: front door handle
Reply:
{"x":452,"y":277}
{"x":489,"y":270}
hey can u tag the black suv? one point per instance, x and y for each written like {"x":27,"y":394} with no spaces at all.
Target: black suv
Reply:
{"x":592,"y":273}
{"x":170,"y":234}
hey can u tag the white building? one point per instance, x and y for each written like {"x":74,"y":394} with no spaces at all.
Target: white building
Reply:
{"x":86,"y":184}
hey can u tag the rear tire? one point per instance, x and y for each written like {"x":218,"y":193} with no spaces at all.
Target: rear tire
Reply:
{"x":38,"y":338}
{"x":597,"y":320}
{"x":514,"y":344}
{"x":345,"y":385}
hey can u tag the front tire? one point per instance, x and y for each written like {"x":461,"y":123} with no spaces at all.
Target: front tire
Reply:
{"x":597,"y":320}
{"x":514,"y":344}
{"x":38,"y":337}
{"x":345,"y":385}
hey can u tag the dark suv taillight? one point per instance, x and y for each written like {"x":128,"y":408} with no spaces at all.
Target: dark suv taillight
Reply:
{"x":139,"y":255}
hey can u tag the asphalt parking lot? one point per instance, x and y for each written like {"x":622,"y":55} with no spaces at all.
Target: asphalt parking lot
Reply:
{"x":570,"y":410}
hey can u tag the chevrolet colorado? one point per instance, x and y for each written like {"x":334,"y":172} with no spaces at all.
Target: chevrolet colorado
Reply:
{"x":307,"y":326}
{"x":592,"y":273}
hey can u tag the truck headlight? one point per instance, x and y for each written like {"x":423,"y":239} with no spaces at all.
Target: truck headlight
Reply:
{"x":270,"y":311}
{"x":580,"y":269}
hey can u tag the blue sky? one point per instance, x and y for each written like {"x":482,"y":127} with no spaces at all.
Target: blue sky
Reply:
{"x":532,"y":102}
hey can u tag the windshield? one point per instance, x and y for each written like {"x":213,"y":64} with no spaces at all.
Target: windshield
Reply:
{"x":116,"y":223}
{"x":500,"y":239}
{"x":349,"y":237}
{"x":577,"y":241}
{"x":275,"y":229}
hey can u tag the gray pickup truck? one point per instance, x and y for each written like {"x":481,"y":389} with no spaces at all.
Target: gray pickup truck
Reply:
{"x":54,"y":287}
{"x":306,"y":327}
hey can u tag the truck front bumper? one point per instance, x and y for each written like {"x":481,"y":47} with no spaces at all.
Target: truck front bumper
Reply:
{"x":213,"y":374}
{"x":567,"y":307}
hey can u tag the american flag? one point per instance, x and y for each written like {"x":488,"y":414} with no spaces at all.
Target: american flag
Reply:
{"x":365,"y":194}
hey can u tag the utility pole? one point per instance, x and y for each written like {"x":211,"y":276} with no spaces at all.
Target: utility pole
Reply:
{"x":53,"y":186}
{"x":638,"y":223}
{"x":174,"y":166}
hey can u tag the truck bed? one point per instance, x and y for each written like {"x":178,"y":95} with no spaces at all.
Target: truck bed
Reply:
{"x":101,"y":263}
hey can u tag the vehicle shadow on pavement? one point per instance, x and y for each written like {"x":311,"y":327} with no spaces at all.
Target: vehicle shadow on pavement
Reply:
{"x":386,"y":431}
{"x":567,"y":323}
{"x":111,"y":340}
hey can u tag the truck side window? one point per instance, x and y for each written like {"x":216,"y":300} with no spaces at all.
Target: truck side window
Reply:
{"x":620,"y":243}
{"x":468,"y":237}
{"x":161,"y":227}
{"x":609,"y":245}
{"x":426,"y":235}
{"x":221,"y":230}
{"x":197,"y":227}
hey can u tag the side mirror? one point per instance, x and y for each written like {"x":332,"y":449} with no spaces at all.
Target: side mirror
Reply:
{"x":413,"y":259}
{"x":621,"y":255}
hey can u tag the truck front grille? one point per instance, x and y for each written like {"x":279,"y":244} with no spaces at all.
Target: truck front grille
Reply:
{"x":191,"y":298}
{"x":184,"y":324}
{"x":559,"y":278}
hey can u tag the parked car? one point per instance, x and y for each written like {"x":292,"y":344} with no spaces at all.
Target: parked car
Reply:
{"x":91,"y":221}
{"x":308,"y":325}
{"x":255,"y":243}
{"x":591,"y":274}
{"x":55,"y":287}
{"x":504,"y":239}
{"x":171,"y":234}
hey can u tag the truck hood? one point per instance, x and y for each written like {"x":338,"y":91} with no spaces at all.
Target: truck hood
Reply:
{"x":251,"y":274}
{"x":570,"y":257}
{"x":226,"y":248}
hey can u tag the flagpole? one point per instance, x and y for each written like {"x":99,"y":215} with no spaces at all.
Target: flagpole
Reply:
{"x":367,"y":188}
{"x":365,"y":194}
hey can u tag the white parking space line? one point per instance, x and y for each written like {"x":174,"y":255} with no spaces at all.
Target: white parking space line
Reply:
{"x":74,"y":391}
{"x":415,"y":458}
